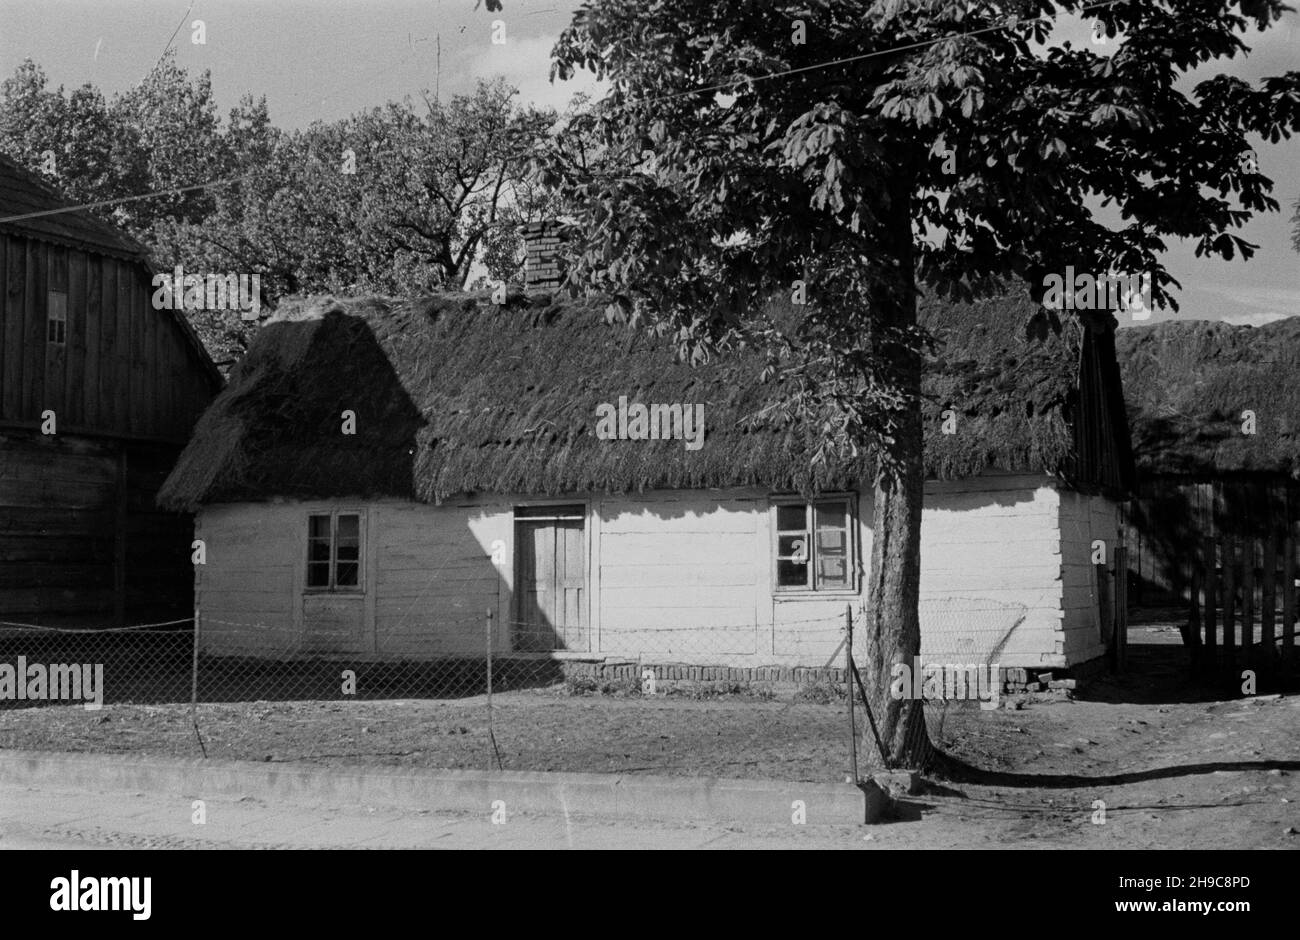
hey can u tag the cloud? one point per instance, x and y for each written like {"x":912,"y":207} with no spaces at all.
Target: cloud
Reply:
{"x":1282,"y":301}
{"x":1255,"y":319}
{"x":526,"y":64}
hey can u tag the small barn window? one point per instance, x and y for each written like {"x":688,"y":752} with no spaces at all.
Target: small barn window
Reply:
{"x":334,"y":551}
{"x":56,"y":317}
{"x":814,"y":545}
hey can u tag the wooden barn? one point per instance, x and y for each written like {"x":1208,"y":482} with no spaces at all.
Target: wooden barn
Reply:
{"x":475,"y":481}
{"x":98,"y":393}
{"x":1215,"y":413}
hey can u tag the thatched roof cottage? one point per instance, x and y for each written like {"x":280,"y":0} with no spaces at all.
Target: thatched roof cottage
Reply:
{"x":1215,"y":412}
{"x":477,"y":479}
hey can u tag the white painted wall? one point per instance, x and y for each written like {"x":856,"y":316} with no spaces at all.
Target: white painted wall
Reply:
{"x":991,"y":571}
{"x":682,"y":576}
{"x":1085,"y":519}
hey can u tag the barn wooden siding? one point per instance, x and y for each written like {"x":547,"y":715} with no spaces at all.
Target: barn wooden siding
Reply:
{"x":126,"y":371}
{"x":1172,"y":515}
{"x":81,"y":539}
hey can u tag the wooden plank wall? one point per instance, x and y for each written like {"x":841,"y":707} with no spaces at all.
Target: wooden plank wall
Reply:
{"x":125,"y":370}
{"x":1166,"y":524}
{"x":65,"y":546}
{"x":56,"y":527}
{"x":80,"y":537}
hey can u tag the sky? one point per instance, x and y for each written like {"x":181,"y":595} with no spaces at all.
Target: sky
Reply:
{"x":324,"y":59}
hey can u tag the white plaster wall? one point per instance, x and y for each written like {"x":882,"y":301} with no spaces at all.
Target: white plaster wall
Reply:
{"x":1085,"y":518}
{"x":679,"y":576}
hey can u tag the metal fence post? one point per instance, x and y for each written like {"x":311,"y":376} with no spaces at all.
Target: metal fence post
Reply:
{"x":492,"y":738}
{"x":194,"y":685}
{"x":848,"y":688}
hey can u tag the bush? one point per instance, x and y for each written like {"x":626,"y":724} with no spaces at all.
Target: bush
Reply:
{"x":711,"y":690}
{"x":591,"y":685}
{"x":820,"y":692}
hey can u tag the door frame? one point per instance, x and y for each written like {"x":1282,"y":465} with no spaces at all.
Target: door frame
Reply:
{"x":590,"y":576}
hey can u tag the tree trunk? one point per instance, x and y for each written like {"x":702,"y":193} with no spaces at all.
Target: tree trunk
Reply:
{"x":893,"y":626}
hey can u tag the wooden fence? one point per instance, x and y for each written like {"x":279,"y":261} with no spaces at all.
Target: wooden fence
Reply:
{"x":1172,"y":513}
{"x":1244,"y":604}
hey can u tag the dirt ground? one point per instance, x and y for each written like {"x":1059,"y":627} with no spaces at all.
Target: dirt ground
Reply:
{"x":1173,"y":766}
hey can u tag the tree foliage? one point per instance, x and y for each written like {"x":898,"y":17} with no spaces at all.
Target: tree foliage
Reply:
{"x":996,"y":145}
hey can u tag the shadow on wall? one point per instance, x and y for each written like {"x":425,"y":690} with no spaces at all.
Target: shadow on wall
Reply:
{"x":960,"y":630}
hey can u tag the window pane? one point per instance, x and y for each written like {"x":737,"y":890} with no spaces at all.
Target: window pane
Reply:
{"x":347,"y":575}
{"x":831,"y":515}
{"x":318,"y":574}
{"x":832,"y":572}
{"x":791,"y":517}
{"x":318,"y":527}
{"x":793,"y":547}
{"x":833,"y":546}
{"x":831,"y":540}
{"x":789,"y":574}
{"x":349,"y":528}
{"x":318,"y":550}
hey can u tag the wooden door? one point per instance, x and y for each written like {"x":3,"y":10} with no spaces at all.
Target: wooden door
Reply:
{"x":550,"y":585}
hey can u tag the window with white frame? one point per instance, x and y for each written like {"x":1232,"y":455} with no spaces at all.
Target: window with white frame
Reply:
{"x":334,"y":551}
{"x":814,"y":544}
{"x":56,"y":318}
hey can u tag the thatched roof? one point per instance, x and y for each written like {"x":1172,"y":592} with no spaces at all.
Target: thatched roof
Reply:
{"x":453,"y":395}
{"x":1187,"y":384}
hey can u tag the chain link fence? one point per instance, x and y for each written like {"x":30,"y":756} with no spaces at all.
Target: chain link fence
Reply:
{"x":726,"y":699}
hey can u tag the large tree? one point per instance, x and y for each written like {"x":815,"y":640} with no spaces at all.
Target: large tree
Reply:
{"x":876,"y":149}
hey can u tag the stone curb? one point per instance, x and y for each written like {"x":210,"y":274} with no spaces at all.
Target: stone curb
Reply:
{"x":462,"y":791}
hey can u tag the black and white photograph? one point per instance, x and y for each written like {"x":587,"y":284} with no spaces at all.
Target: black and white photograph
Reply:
{"x":651,"y":425}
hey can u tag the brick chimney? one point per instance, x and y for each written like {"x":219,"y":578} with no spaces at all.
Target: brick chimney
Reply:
{"x":541,"y":256}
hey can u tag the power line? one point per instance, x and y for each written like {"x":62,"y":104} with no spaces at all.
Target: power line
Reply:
{"x":114,"y":202}
{"x":179,"y":26}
